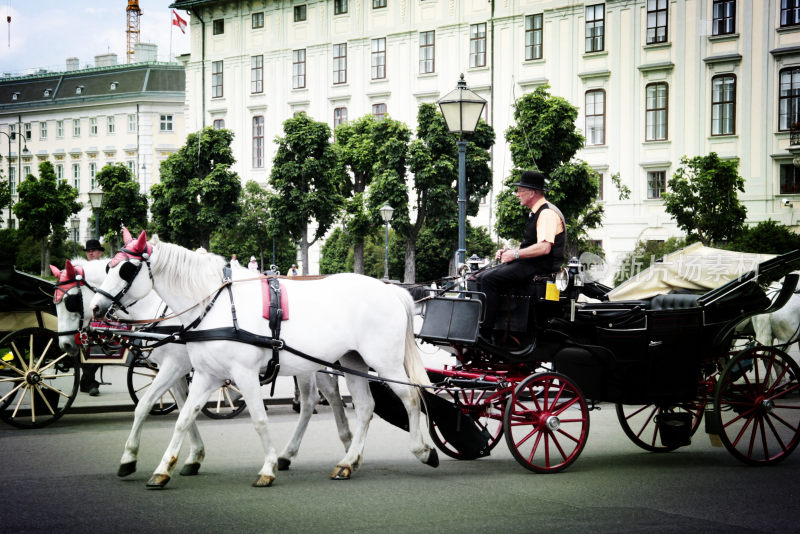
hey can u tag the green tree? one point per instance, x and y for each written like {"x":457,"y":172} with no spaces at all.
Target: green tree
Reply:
{"x":334,"y":254}
{"x":766,"y":237}
{"x":545,"y":138}
{"x":702,"y":198}
{"x":5,"y":195}
{"x":307,"y":178}
{"x":644,"y":254}
{"x":44,"y":206}
{"x":368,"y":148}
{"x":123,"y":204}
{"x":433,"y":158}
{"x":198,"y":193}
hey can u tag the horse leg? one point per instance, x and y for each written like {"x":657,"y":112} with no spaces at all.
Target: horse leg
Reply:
{"x":197,"y":451}
{"x":307,"y":388}
{"x":410,"y":398}
{"x":171,"y":374}
{"x":247,"y":381}
{"x":328,"y":384}
{"x":202,"y":386}
{"x":364,"y":407}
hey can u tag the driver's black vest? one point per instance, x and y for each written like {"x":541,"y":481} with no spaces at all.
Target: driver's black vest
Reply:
{"x":552,"y":262}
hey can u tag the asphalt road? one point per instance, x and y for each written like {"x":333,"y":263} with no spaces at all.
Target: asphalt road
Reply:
{"x":62,"y":479}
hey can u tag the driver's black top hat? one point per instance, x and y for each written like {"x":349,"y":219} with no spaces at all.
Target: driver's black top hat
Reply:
{"x":532,"y":180}
{"x":93,"y":244}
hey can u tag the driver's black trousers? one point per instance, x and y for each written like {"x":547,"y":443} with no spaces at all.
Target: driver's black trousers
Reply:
{"x":493,"y":281}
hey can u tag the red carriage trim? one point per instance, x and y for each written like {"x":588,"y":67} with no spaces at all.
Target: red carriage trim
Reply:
{"x":70,"y":277}
{"x":265,"y":300}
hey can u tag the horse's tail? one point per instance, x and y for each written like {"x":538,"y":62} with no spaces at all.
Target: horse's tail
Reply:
{"x":412,"y":361}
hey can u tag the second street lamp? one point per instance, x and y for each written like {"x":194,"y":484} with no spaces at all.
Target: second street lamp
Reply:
{"x":96,"y":200}
{"x":386,"y":214}
{"x":462,"y":109}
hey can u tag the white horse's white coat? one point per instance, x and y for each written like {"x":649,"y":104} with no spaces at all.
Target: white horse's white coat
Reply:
{"x":335,"y":316}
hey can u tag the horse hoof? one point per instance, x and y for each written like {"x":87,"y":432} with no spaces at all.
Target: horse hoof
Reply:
{"x":157,"y":481}
{"x":342,"y":472}
{"x":263,"y":481}
{"x":126,"y":469}
{"x":190,"y":470}
{"x":433,"y":458}
{"x":283,"y":464}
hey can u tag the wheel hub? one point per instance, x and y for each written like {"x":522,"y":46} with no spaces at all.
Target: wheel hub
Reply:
{"x":33,"y":378}
{"x":767,"y":405}
{"x":552,"y":423}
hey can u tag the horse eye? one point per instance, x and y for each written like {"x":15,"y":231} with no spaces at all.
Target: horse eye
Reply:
{"x":72,"y":303}
{"x":127,"y":271}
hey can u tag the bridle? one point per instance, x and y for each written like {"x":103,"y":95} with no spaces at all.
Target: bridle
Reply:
{"x":128,"y":272}
{"x":73,"y":302}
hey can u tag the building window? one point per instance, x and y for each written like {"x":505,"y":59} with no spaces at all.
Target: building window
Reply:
{"x":379,"y":58}
{"x":595,"y":28}
{"x":533,"y":36}
{"x":92,"y":174}
{"x":28,"y":131}
{"x":59,"y":171}
{"x":656,"y":183}
{"x":339,"y":116}
{"x":59,"y":129}
{"x":300,"y":13}
{"x":340,"y":63}
{"x":93,"y":126}
{"x":656,"y":116}
{"x":789,"y":98}
{"x":477,"y":45}
{"x":379,"y":110}
{"x":218,"y":27}
{"x":339,"y":7}
{"x":219,"y":124}
{"x":76,"y":127}
{"x":595,"y":117}
{"x":216,"y":79}
{"x":165,"y":123}
{"x":427,"y":52}
{"x":12,"y":179}
{"x":257,"y":20}
{"x":724,"y":13}
{"x":790,"y":179}
{"x":299,"y":68}
{"x":257,"y":74}
{"x":12,"y":129}
{"x":656,"y":21}
{"x":790,"y":12}
{"x":599,"y":186}
{"x":26,"y":171}
{"x":131,"y":123}
{"x":723,"y":104}
{"x":111,"y":127}
{"x":76,"y":177}
{"x":43,"y":130}
{"x":258,"y":141}
{"x":378,"y":4}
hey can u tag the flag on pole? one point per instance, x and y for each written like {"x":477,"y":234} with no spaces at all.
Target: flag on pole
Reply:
{"x":178,"y":21}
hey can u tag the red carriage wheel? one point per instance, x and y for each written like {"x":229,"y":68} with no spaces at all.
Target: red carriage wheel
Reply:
{"x":642,"y":423}
{"x":757,"y":404}
{"x":546,"y":422}
{"x":141,"y":373}
{"x":484,"y":407}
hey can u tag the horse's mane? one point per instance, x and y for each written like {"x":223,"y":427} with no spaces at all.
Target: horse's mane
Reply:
{"x":188,"y":273}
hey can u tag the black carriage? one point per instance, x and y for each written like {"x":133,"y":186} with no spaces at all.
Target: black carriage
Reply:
{"x":665,"y":362}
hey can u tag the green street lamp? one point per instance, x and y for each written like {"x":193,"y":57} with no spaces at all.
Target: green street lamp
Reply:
{"x":96,"y":200}
{"x":386,"y":212}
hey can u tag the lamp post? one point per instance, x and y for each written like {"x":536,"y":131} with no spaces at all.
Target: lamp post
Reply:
{"x":461,"y":109}
{"x":386,"y":214}
{"x":96,"y":200}
{"x":25,"y":151}
{"x":75,"y":223}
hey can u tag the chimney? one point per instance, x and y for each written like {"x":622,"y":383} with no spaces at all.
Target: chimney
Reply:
{"x":105,"y":60}
{"x":72,"y":64}
{"x":145,"y":52}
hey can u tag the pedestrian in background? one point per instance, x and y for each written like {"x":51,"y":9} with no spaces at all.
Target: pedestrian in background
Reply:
{"x":253,"y":265}
{"x":234,"y":262}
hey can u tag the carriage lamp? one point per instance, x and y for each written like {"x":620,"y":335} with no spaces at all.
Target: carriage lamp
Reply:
{"x":474,"y":262}
{"x":96,"y":200}
{"x":386,"y":212}
{"x":462,"y":109}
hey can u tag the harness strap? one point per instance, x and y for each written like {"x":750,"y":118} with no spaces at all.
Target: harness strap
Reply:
{"x":275,"y":317}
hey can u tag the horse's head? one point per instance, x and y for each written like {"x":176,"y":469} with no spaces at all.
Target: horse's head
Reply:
{"x":71,"y":304}
{"x":128,"y":278}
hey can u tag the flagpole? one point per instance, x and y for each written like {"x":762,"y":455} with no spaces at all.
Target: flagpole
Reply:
{"x":171,"y":24}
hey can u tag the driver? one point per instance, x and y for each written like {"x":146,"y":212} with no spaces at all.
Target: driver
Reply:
{"x":541,"y":250}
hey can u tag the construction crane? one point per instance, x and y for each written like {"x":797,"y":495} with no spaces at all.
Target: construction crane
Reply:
{"x":134,"y":13}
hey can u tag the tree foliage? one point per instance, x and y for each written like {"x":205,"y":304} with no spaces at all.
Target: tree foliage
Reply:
{"x":702,"y":198}
{"x":545,"y":138}
{"x":5,"y":196}
{"x":44,"y":206}
{"x":198,"y":193}
{"x":307,"y":177}
{"x":766,"y":237}
{"x":645,"y":254}
{"x":123,"y":204}
{"x":368,"y":148}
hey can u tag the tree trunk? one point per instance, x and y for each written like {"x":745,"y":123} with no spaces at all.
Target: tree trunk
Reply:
{"x":45,"y":256}
{"x":358,"y":255}
{"x":304,"y":250}
{"x":410,"y":271}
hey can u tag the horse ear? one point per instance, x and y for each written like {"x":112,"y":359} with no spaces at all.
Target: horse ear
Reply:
{"x":141,"y":243}
{"x":126,"y":235}
{"x":70,"y":270}
{"x":55,"y":270}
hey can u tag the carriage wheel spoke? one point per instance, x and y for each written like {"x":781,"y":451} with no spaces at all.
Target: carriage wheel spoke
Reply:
{"x":19,"y":357}
{"x":775,"y":433}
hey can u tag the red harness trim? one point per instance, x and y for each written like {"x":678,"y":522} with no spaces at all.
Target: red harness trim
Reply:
{"x":265,"y":300}
{"x":64,"y":284}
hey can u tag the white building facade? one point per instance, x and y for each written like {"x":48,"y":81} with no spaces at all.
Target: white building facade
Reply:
{"x":654,"y":80}
{"x":84,"y":119}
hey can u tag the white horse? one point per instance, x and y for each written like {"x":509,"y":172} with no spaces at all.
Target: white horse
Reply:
{"x":328,"y":318}
{"x":780,"y":327}
{"x":173,"y":365}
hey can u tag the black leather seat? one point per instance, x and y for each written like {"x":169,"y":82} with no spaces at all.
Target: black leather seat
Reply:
{"x":674,"y":301}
